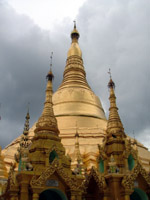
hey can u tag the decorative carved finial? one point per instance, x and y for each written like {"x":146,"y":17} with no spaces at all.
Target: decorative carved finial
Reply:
{"x":111,"y":84}
{"x":50,"y":75}
{"x":21,"y":156}
{"x":26,"y":125}
{"x":75,"y":34}
{"x":74,"y":24}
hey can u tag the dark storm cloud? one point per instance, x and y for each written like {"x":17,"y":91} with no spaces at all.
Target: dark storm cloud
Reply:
{"x":24,"y":62}
{"x":116,"y":34}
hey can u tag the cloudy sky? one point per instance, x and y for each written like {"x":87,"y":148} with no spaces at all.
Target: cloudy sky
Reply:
{"x":113,"y":34}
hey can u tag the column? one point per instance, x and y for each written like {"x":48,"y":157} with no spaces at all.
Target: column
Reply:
{"x":13,"y":194}
{"x":127,"y":197}
{"x":106,"y":195}
{"x":79,"y":196}
{"x":14,"y":198}
{"x":74,"y":195}
{"x":126,"y":194}
{"x":24,"y":192}
{"x":35,"y":196}
{"x":105,"y":198}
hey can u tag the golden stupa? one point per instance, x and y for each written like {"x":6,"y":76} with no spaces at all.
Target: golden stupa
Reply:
{"x":75,"y":153}
{"x":76,"y":107}
{"x":42,"y":170}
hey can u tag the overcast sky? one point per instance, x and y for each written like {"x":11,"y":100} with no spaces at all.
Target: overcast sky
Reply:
{"x":113,"y":34}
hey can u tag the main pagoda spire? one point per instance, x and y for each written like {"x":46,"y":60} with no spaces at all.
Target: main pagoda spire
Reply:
{"x":75,"y":102}
{"x":74,"y":74}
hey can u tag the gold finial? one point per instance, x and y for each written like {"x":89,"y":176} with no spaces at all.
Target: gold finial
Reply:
{"x":111,"y":84}
{"x":75,"y":34}
{"x":26,"y":125}
{"x":50,"y":75}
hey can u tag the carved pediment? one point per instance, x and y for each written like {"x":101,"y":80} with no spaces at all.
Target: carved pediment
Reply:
{"x":128,"y":180}
{"x":40,"y":181}
{"x":99,"y":179}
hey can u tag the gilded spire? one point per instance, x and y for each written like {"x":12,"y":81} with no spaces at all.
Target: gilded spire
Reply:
{"x":75,"y":49}
{"x":26,"y":125}
{"x":22,"y":156}
{"x":77,"y":163}
{"x":46,"y":144}
{"x":114,"y":126}
{"x":77,"y":148}
{"x":74,"y":97}
{"x":47,"y":121}
{"x":75,"y":34}
{"x":24,"y":139}
{"x":115,"y":140}
{"x":74,"y":74}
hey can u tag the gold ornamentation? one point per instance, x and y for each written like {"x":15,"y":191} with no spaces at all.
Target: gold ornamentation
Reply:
{"x":99,"y":179}
{"x":55,"y":167}
{"x":21,"y":156}
{"x":102,"y":153}
{"x":128,"y":180}
{"x":129,"y":150}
